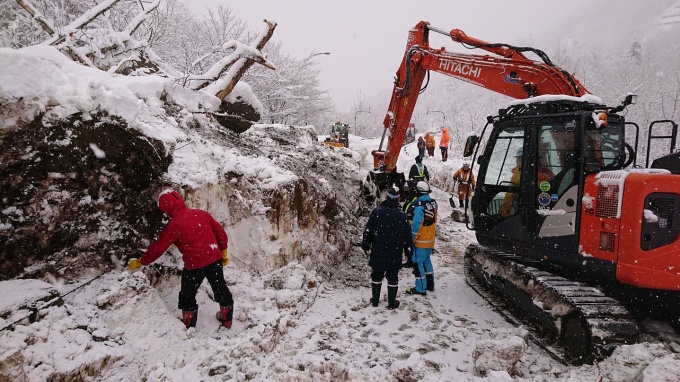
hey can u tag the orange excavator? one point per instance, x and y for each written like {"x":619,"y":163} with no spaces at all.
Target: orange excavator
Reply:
{"x":555,"y":209}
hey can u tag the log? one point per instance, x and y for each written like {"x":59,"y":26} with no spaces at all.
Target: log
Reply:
{"x":246,"y":64}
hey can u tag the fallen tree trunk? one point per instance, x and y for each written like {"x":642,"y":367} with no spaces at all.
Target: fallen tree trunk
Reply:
{"x":240,"y":67}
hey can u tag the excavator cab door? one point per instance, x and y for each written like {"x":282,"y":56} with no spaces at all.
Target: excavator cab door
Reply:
{"x":531,"y":179}
{"x":529,"y":185}
{"x":556,"y":183}
{"x":498,"y":201}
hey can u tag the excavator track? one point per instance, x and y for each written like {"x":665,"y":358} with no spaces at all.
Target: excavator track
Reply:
{"x":569,"y":316}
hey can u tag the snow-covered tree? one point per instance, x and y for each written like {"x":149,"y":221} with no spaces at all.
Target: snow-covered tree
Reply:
{"x":100,"y":36}
{"x":191,"y":44}
{"x":635,"y":51}
{"x":291,"y":94}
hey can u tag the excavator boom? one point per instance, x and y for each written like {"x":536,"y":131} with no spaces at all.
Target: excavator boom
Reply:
{"x":508,"y":71}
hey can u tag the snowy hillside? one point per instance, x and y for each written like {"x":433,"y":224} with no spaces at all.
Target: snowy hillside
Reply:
{"x":293,"y":211}
{"x":88,"y":152}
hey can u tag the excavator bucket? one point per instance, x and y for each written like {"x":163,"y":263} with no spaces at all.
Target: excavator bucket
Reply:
{"x":377,"y":183}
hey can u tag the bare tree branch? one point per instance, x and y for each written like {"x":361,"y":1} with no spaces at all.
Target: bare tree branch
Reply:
{"x":81,"y":21}
{"x":243,"y":64}
{"x":45,"y":24}
{"x":77,"y":56}
{"x":139,"y":19}
{"x":241,"y":52}
{"x":102,"y":47}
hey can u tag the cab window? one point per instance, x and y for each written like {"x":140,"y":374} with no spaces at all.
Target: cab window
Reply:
{"x":503,"y":157}
{"x":604,"y":147}
{"x":556,"y":157}
{"x":504,"y":169}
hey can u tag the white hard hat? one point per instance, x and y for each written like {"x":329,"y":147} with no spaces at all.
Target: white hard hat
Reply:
{"x":422,"y":187}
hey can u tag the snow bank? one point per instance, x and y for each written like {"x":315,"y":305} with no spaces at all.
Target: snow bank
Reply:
{"x":42,"y":77}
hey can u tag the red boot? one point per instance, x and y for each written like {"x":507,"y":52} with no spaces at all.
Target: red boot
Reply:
{"x":225,"y":315}
{"x":189,"y":318}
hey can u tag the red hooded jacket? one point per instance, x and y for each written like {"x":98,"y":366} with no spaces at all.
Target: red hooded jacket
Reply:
{"x":197,"y":235}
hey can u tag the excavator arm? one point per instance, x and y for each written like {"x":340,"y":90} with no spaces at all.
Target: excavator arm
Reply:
{"x":508,"y":71}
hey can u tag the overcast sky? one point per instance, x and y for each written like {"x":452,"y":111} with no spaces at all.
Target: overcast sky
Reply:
{"x":366,"y":38}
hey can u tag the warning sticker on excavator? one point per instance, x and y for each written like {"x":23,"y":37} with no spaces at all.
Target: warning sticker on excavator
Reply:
{"x":544,"y":199}
{"x":544,"y":186}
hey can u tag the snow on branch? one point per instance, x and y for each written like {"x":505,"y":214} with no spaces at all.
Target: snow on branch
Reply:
{"x":240,"y":52}
{"x":102,"y":47}
{"x":236,"y":64}
{"x":141,"y":16}
{"x":44,"y":23}
{"x":223,"y":86}
{"x":81,"y":21}
{"x":236,"y":71}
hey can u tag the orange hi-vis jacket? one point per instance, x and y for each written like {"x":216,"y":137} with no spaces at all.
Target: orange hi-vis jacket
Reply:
{"x":444,"y":142}
{"x":429,"y":140}
{"x":466,"y":181}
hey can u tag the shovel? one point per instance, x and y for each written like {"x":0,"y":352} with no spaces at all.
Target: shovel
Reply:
{"x":452,"y":201}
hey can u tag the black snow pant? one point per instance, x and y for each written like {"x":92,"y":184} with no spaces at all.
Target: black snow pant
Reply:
{"x":192,"y":279}
{"x":378,"y":274}
{"x":392,"y":276}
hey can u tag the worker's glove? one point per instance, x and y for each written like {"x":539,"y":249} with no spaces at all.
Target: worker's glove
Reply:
{"x":225,"y":257}
{"x":134,"y":264}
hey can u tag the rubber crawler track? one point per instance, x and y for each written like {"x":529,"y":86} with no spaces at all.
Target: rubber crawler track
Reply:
{"x":567,"y":315}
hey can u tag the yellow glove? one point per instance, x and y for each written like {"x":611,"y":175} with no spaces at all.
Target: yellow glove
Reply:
{"x":134,"y":264}
{"x":225,"y":258}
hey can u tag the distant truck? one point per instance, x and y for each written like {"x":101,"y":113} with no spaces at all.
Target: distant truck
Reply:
{"x":339,"y":136}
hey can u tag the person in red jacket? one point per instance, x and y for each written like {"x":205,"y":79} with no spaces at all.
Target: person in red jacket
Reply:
{"x":203,"y":244}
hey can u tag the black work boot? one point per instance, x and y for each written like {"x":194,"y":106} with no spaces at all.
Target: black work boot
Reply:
{"x":392,"y":302}
{"x":430,"y":282}
{"x":375,"y":299}
{"x":189,"y":318}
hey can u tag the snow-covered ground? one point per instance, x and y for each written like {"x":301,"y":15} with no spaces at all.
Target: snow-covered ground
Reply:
{"x":293,"y":323}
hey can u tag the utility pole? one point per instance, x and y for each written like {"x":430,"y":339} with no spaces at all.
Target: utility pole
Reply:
{"x":356,"y":128}
{"x":306,"y":61}
{"x":428,"y":111}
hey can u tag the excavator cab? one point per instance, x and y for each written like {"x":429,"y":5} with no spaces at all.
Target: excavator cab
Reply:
{"x":532,"y":172}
